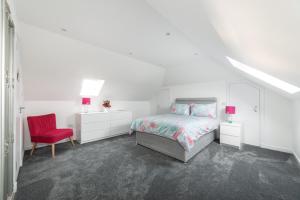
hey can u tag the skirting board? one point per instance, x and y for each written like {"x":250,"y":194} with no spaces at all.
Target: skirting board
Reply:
{"x":297,"y":157}
{"x":44,"y":145}
{"x":12,"y":197}
{"x":282,"y":149}
{"x":15,"y":187}
{"x":285,"y":150}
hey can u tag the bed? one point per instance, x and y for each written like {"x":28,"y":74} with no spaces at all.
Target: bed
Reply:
{"x":178,"y":136}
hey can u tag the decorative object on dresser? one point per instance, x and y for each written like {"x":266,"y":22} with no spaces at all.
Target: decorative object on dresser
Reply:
{"x":106,"y":105}
{"x":43,"y":130}
{"x":86,"y":102}
{"x":229,"y":110}
{"x":95,"y":126}
{"x":230,"y":133}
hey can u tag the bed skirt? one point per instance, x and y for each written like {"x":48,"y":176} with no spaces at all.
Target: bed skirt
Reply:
{"x":173,"y":148}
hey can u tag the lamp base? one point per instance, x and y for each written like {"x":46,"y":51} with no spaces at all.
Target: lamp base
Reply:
{"x":85,"y":109}
{"x":229,"y":118}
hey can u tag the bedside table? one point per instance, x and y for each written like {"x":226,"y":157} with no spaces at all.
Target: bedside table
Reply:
{"x":230,"y":133}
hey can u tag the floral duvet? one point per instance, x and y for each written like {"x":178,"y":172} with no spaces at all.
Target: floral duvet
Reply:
{"x":185,"y":129}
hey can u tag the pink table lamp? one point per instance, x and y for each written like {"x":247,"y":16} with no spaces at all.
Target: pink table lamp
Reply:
{"x":86,"y":102}
{"x":230,"y":110}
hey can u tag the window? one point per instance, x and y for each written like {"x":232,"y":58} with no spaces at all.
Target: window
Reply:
{"x":287,"y":87}
{"x":91,"y":87}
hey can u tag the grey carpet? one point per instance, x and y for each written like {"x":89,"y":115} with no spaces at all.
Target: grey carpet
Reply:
{"x":118,"y":169}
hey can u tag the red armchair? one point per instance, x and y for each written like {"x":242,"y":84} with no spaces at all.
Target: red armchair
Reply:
{"x":43,"y":130}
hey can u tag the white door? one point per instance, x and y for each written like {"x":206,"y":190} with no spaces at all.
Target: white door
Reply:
{"x":18,"y":124}
{"x":19,"y":106}
{"x":246,"y":98}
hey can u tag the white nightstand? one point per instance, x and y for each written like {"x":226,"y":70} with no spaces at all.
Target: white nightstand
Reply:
{"x":230,"y":133}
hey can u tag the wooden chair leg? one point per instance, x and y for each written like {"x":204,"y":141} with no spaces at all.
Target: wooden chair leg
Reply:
{"x":33,"y":148}
{"x":71,"y":139}
{"x":53,"y":150}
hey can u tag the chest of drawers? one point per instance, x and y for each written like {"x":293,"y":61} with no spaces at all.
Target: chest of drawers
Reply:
{"x":100,"y":125}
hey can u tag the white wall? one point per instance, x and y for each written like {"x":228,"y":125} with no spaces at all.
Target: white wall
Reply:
{"x":296,"y":108}
{"x":66,"y":110}
{"x":205,"y":70}
{"x":54,"y":67}
{"x":277,"y":123}
{"x":277,"y":130}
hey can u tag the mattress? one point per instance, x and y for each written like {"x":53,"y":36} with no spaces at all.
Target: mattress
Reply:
{"x":184,"y":129}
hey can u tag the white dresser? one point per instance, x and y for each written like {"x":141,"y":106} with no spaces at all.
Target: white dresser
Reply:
{"x":100,"y":125}
{"x":230,"y":133}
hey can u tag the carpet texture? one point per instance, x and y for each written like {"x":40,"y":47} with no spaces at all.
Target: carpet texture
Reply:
{"x":117,"y":168}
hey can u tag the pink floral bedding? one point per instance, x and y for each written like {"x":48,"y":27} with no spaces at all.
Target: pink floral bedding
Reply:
{"x":182,"y":128}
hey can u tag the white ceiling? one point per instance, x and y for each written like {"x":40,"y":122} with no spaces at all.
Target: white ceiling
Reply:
{"x":128,"y":27}
{"x":262,"y":34}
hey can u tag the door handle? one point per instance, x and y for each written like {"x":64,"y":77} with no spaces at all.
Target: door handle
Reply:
{"x":255,"y":108}
{"x":6,"y":148}
{"x":21,"y":108}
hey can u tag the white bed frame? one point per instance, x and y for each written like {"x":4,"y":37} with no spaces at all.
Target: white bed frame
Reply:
{"x":173,"y":148}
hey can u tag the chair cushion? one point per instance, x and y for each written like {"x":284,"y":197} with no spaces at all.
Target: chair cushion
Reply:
{"x":52,"y":136}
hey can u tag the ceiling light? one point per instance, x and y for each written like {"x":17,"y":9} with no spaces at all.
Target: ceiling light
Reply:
{"x":168,"y":34}
{"x":63,"y":29}
{"x":287,"y":87}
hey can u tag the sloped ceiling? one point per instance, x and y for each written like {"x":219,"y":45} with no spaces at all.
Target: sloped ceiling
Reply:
{"x":262,"y":34}
{"x":191,"y":36}
{"x":54,"y":67}
{"x":129,"y":27}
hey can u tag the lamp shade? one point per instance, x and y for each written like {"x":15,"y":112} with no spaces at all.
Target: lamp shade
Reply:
{"x":86,"y":101}
{"x":230,"y":110}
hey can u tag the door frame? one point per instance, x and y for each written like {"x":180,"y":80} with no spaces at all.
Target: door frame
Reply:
{"x":261,"y":102}
{"x":7,"y":103}
{"x":1,"y":104}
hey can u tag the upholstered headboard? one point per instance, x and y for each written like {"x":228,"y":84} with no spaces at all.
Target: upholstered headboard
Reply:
{"x":196,"y":100}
